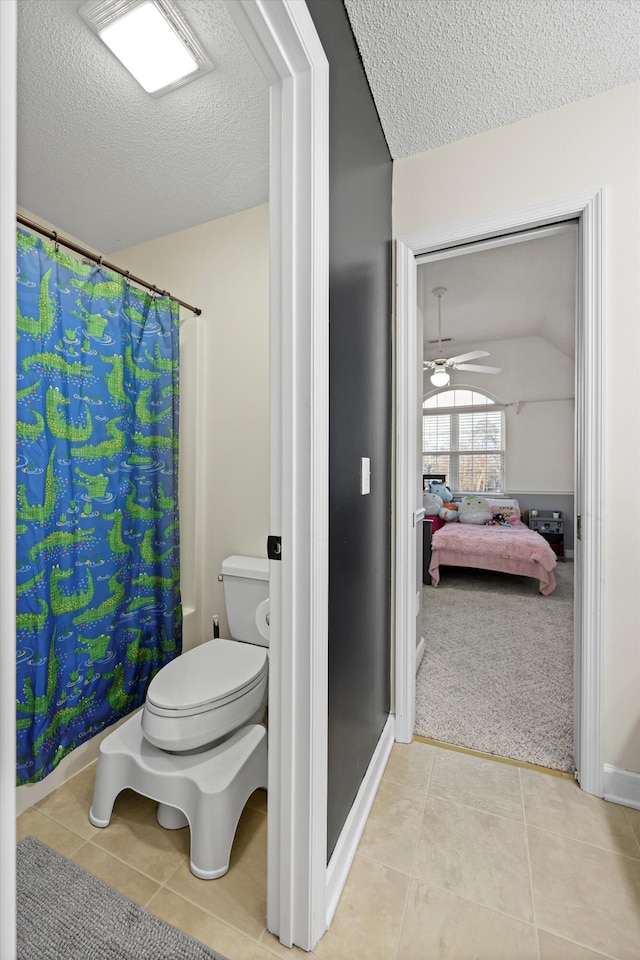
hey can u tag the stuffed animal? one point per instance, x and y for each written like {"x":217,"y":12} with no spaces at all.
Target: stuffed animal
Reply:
{"x":474,"y":510}
{"x":449,"y":512}
{"x":432,"y":504}
{"x":498,"y":520}
{"x":441,"y":490}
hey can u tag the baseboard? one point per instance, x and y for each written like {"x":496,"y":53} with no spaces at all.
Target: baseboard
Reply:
{"x":419,"y":652}
{"x":29,"y":794}
{"x":345,"y":849}
{"x":622,"y":786}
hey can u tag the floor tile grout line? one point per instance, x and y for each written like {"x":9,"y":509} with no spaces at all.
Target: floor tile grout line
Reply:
{"x":421,"y":879}
{"x":383,"y":863}
{"x":556,"y":833}
{"x":214,"y":916}
{"x":413,"y":860}
{"x":402,"y":918}
{"x":586,"y":843}
{"x":400,"y":783}
{"x":529,"y":867}
{"x":636,"y":836}
{"x":469,"y":806}
{"x":467,"y":899}
{"x":126,"y":863}
{"x":424,"y":811}
{"x":578,"y":943}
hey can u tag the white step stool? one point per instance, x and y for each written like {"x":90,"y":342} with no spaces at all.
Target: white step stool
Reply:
{"x":205,"y":790}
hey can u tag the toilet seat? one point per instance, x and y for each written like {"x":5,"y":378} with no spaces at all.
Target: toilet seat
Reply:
{"x":207,"y":677}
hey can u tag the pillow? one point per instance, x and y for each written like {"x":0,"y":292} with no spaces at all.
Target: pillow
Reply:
{"x":502,"y":502}
{"x":510,"y":514}
{"x":474,"y":510}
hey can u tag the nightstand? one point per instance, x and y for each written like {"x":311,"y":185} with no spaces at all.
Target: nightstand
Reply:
{"x":551,"y":528}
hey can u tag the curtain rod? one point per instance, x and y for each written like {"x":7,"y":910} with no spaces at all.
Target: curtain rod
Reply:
{"x":83,"y":251}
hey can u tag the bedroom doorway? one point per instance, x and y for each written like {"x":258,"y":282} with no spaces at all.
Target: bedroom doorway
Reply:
{"x":497,"y":671}
{"x":586,"y":210}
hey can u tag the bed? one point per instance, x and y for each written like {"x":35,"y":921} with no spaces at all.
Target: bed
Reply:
{"x":509,"y":549}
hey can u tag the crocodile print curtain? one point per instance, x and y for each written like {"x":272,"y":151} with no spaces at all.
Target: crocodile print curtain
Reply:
{"x":98,"y":581}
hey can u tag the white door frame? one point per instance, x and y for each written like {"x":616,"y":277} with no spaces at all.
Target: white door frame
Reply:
{"x":587,"y":207}
{"x":283,"y":39}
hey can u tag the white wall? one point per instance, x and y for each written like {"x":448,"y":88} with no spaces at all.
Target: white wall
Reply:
{"x":593,"y":143}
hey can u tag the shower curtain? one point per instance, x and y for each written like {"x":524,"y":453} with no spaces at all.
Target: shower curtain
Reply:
{"x":97,"y":548}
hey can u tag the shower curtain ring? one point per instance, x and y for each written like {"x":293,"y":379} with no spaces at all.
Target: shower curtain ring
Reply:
{"x":56,"y":244}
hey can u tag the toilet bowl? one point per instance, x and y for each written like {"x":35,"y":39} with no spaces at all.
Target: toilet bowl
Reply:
{"x":206,"y":694}
{"x":198,"y":746}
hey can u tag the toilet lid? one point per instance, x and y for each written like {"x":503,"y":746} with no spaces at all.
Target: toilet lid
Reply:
{"x":216,"y":671}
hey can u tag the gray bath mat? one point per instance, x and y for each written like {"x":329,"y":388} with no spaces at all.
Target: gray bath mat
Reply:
{"x":65,"y":912}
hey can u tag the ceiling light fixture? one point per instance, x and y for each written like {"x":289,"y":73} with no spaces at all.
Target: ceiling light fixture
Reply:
{"x":440,"y":378}
{"x":151,"y":39}
{"x":440,"y":366}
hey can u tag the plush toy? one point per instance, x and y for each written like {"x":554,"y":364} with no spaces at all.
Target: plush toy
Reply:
{"x":474,"y":510}
{"x":441,"y":490}
{"x":432,"y":504}
{"x":498,"y":520}
{"x":449,"y":512}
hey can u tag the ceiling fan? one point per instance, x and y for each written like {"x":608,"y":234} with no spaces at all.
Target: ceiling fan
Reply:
{"x":441,"y":365}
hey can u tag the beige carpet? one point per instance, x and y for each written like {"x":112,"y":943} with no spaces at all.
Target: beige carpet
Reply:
{"x":497,"y":672}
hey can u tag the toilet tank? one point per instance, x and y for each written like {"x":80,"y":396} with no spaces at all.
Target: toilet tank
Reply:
{"x":246,"y":584}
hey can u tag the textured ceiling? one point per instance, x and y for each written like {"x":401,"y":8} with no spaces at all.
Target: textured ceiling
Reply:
{"x":443,"y":70}
{"x":104,"y":161}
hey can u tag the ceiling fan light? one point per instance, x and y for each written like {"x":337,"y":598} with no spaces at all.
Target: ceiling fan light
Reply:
{"x":440,"y":378}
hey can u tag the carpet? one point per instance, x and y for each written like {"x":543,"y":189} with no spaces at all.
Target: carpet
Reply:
{"x":63,"y":911}
{"x":497,"y":670}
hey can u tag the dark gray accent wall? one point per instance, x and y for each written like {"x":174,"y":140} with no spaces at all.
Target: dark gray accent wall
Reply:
{"x":359,"y":417}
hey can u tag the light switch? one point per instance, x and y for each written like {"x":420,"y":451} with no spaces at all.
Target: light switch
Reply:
{"x":365,"y":475}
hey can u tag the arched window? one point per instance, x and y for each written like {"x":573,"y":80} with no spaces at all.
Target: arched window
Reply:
{"x":463,"y":437}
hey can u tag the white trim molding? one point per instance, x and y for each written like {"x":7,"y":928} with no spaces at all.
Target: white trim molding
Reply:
{"x":587,"y":208}
{"x":345,"y":849}
{"x":8,"y":140}
{"x":406,"y":471}
{"x":622,"y":786}
{"x":283,"y":39}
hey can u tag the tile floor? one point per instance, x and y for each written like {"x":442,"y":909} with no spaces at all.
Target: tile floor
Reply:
{"x":461,"y":858}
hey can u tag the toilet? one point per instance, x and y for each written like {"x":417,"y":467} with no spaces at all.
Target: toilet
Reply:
{"x":199,"y":746}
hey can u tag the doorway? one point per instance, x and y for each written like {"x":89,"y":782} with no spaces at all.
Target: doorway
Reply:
{"x":586,"y":209}
{"x":497,"y":673}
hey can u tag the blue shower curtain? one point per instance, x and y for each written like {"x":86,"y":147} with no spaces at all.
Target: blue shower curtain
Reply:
{"x":98,"y":573}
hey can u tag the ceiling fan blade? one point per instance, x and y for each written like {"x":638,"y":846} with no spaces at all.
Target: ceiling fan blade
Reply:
{"x":474,"y":355}
{"x":477,"y":368}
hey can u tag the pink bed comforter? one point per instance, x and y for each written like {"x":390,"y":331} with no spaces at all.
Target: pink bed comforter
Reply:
{"x":512,"y":549}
